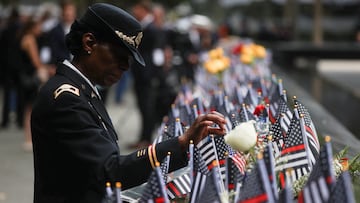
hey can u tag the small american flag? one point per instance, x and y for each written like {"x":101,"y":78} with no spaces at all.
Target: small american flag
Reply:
{"x":343,"y":191}
{"x":210,"y":193}
{"x":179,"y":187}
{"x":250,"y":100}
{"x":245,"y":114}
{"x":284,"y":112}
{"x":256,"y":186}
{"x":278,"y":137}
{"x":239,"y":159}
{"x":274,"y":96}
{"x":155,"y":190}
{"x":185,"y":114}
{"x":293,"y":154}
{"x":199,"y":106}
{"x":197,"y":186}
{"x":234,"y":176}
{"x":321,"y":178}
{"x":310,"y":132}
{"x":270,"y":167}
{"x":164,"y":166}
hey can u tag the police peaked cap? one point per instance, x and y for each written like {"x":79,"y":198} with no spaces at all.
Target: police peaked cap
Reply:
{"x":114,"y":21}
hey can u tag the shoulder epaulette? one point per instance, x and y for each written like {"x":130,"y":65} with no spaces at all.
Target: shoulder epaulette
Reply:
{"x":66,"y":88}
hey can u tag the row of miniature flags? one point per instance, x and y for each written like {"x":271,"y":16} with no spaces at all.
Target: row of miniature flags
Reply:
{"x":288,"y":148}
{"x":256,"y":185}
{"x":215,"y":174}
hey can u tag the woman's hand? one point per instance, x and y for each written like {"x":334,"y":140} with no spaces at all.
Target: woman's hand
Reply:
{"x":202,"y":127}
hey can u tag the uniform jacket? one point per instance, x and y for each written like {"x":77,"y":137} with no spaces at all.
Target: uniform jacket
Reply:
{"x":75,"y":145}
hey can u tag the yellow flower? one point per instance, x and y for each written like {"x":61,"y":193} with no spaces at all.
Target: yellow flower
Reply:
{"x":217,"y":62}
{"x":259,"y":51}
{"x":246,"y":58}
{"x":210,"y":66}
{"x":216,"y":53}
{"x":248,"y":50}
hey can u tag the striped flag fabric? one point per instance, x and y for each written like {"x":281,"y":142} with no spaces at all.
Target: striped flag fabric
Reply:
{"x":284,"y":112}
{"x":278,"y":137}
{"x":199,"y":105}
{"x":274,"y":96}
{"x":233,"y":174}
{"x":199,"y":163}
{"x":197,"y":186}
{"x":286,"y":194}
{"x":269,"y":161}
{"x":234,"y":119}
{"x":250,"y":100}
{"x":239,"y":159}
{"x":294,"y":154}
{"x":185,"y":114}
{"x":245,"y":114}
{"x":201,"y":172}
{"x":210,"y":192}
{"x":164,"y":167}
{"x":256,"y":186}
{"x":281,"y":126}
{"x":212,"y":148}
{"x":321,"y":178}
{"x":342,"y":191}
{"x":179,"y":187}
{"x":155,"y":190}
{"x":237,"y":98}
{"x":309,"y":131}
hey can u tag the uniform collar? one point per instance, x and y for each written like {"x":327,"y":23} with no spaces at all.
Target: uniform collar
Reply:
{"x":71,"y":66}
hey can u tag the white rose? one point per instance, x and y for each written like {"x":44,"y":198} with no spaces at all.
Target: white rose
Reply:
{"x":243,"y":137}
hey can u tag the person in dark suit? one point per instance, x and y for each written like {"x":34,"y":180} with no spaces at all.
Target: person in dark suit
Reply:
{"x":144,"y":79}
{"x":59,"y":51}
{"x":9,"y":59}
{"x":56,"y":36}
{"x":75,"y":145}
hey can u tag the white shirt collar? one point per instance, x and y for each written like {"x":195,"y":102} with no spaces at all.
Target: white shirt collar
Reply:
{"x":67,"y":63}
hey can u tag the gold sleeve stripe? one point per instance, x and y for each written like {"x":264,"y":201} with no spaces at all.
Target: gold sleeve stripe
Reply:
{"x":154,"y":154}
{"x":151,"y":157}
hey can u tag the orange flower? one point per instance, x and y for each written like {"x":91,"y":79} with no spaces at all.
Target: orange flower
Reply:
{"x":259,"y":51}
{"x":217,"y":62}
{"x":246,"y":58}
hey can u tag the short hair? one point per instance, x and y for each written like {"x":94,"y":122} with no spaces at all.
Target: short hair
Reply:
{"x":146,"y":4}
{"x":64,"y":3}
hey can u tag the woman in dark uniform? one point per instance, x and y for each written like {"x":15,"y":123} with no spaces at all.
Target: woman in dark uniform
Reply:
{"x":74,"y":142}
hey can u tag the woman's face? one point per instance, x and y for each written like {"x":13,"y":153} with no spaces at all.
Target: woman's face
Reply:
{"x":107,"y":63}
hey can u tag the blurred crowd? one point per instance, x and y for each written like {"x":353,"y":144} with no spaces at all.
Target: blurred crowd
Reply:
{"x":33,"y":43}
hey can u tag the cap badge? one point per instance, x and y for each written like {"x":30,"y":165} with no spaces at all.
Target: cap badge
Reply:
{"x":138,"y":39}
{"x":132,"y":40}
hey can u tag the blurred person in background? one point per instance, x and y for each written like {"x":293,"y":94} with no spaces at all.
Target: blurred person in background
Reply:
{"x":9,"y":67}
{"x":56,"y":36}
{"x":144,"y":79}
{"x":121,"y":87}
{"x":31,"y":71}
{"x":166,"y":77}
